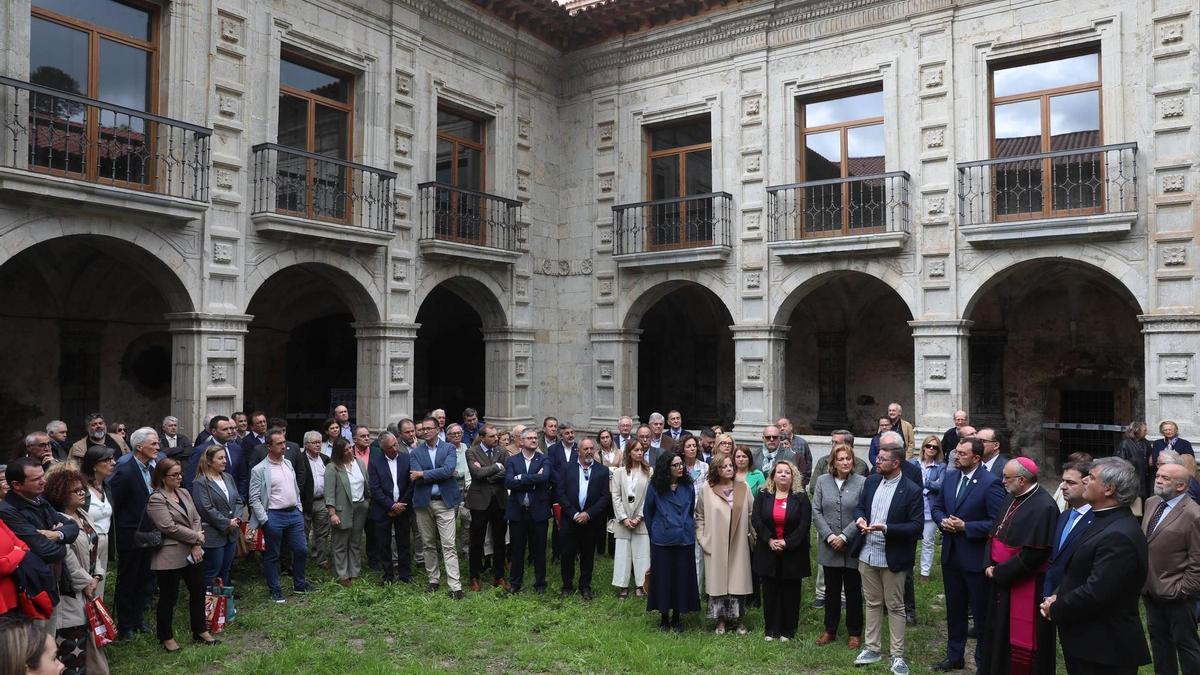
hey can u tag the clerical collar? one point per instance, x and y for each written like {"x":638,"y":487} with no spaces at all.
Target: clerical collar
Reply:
{"x":1028,"y":492}
{"x":1106,"y":509}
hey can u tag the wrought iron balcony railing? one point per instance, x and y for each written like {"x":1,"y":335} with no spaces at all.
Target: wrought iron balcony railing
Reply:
{"x":839,"y":207}
{"x":694,"y":221}
{"x":304,"y":184}
{"x":71,"y":136}
{"x":450,"y":213}
{"x":1081,"y":182}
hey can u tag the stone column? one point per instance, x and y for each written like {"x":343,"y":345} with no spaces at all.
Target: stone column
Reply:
{"x":758,"y":373}
{"x":207,"y":365}
{"x":384,"y":372}
{"x":1172,"y":342}
{"x":614,"y":375}
{"x":940,"y":375}
{"x":507,"y":368}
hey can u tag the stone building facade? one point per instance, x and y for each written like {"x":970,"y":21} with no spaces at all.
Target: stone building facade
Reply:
{"x":810,"y":208}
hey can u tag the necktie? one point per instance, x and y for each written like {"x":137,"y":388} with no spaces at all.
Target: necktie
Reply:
{"x":1071,"y":518}
{"x":582,"y":490}
{"x":1158,"y":513}
{"x":962,"y":485}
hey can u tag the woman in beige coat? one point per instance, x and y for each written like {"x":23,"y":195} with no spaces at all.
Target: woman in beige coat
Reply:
{"x":66,"y":490}
{"x":723,"y":530}
{"x":172,"y":511}
{"x":627,"y":485}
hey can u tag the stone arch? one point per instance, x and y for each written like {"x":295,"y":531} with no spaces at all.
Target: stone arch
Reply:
{"x":1121,"y":278}
{"x":350,"y":277}
{"x":650,"y":289}
{"x":793,"y":288}
{"x":482,"y":291}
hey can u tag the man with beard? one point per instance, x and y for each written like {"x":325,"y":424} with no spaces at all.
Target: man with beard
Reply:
{"x":97,"y":434}
{"x":1018,"y":640}
{"x":1172,"y":527}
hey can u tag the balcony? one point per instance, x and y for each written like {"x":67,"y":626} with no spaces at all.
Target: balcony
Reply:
{"x":303,"y":194}
{"x":1082,"y":194}
{"x":859,"y":215}
{"x":78,"y":150}
{"x":461,"y":223}
{"x":682,"y":231}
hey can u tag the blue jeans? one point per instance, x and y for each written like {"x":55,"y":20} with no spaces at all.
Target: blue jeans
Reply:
{"x":218,"y":560}
{"x":281,"y":524}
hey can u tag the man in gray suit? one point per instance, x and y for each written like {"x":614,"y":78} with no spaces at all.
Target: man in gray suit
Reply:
{"x":771,"y":451}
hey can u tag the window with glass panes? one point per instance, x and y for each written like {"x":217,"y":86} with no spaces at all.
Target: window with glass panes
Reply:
{"x":461,"y":164}
{"x":104,"y":50}
{"x":1048,"y":107}
{"x":316,"y":107}
{"x":680,"y":166}
{"x":841,"y":141}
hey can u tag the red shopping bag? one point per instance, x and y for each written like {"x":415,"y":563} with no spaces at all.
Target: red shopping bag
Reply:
{"x":214,"y":612}
{"x":557,"y":509}
{"x":100,"y":622}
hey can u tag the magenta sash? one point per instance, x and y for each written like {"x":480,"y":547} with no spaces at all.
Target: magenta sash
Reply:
{"x":1022,"y":614}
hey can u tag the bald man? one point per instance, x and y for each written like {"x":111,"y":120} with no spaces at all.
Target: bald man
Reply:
{"x":1172,"y":528}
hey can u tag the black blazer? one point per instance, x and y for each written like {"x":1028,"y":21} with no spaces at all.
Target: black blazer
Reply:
{"x":1096,"y":610}
{"x":379,"y":484}
{"x":904,"y":521}
{"x":183,"y":446}
{"x":1058,"y":560}
{"x":796,"y":527}
{"x":129,"y":498}
{"x":306,"y":479}
{"x":535,"y":483}
{"x":595,"y":502}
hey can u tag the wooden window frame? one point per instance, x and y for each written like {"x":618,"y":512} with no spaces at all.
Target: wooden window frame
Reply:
{"x":680,"y":153}
{"x":843,"y":129}
{"x":1043,"y":96}
{"x":312,"y":100}
{"x":91,"y":165}
{"x":454,"y":217}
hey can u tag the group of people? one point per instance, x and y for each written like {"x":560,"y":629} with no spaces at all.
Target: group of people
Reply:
{"x":690,"y":520}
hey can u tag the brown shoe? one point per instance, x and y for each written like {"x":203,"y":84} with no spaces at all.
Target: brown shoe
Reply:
{"x":502,"y":584}
{"x":474,"y":585}
{"x":825,"y":639}
{"x":344,"y":582}
{"x":854,"y":642}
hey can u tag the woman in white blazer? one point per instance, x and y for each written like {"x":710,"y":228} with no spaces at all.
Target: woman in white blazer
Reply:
{"x":628,"y":486}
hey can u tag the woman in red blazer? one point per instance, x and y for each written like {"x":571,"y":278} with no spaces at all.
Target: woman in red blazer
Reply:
{"x":12,"y":552}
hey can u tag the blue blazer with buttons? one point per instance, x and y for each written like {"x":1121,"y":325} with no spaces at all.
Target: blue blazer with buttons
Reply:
{"x":441,"y":472}
{"x":905,"y":519}
{"x":978,"y":506}
{"x":535,"y":482}
{"x":1058,"y":560}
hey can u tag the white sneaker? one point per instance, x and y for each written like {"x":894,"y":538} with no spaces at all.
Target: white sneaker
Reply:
{"x":769,"y":638}
{"x":867,"y":657}
{"x":899,"y":667}
{"x":784,"y":638}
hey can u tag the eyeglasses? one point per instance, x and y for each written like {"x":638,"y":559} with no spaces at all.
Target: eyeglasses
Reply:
{"x":176,"y":474}
{"x":771,"y":438}
{"x":931,"y":445}
{"x":43,"y":444}
{"x":120,"y":430}
{"x":79,"y":491}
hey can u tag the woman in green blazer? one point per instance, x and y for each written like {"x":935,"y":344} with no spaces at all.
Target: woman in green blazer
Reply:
{"x":346,"y":501}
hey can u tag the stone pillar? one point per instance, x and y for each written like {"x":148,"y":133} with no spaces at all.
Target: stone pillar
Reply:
{"x":940,"y":375}
{"x":207,"y":365}
{"x":384,"y":372}
{"x":1172,"y":342}
{"x":507,"y":367}
{"x":614,"y":375}
{"x":758,"y":373}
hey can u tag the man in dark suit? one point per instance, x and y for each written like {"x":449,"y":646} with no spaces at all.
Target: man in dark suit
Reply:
{"x":130,"y":484}
{"x":1172,"y":527}
{"x":312,"y":499}
{"x":57,"y":430}
{"x":177,"y":446}
{"x":527,"y":477}
{"x":1096,"y":605}
{"x":222,"y":431}
{"x":256,"y":436}
{"x":486,"y":500}
{"x":993,"y":459}
{"x":965,"y":510}
{"x":889,"y":515}
{"x":1071,"y":524}
{"x":391,"y":495}
{"x":561,"y":453}
{"x":583,"y":493}
{"x":954,"y":434}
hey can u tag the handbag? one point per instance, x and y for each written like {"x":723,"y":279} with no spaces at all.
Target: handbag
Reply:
{"x":219,"y":588}
{"x":214,"y":612}
{"x":147,"y":539}
{"x":100,"y":622}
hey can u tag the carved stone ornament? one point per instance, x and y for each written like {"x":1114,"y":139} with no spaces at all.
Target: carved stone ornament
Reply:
{"x":753,"y":163}
{"x":1170,"y":33}
{"x":935,"y":138}
{"x":227,"y":105}
{"x":399,"y":371}
{"x":218,"y":372}
{"x":753,"y":280}
{"x":403,"y":84}
{"x":752,"y":107}
{"x":231,"y":30}
{"x":1173,"y":182}
{"x":1171,"y":107}
{"x":562,"y":268}
{"x":604,"y":132}
{"x":1174,"y":255}
{"x":523,"y":129}
{"x":933,"y":78}
{"x":936,"y":205}
{"x":936,"y":370}
{"x":606,"y":184}
{"x":399,"y":270}
{"x":936,"y":269}
{"x":1175,"y":370}
{"x":222,"y":252}
{"x":223,"y":178}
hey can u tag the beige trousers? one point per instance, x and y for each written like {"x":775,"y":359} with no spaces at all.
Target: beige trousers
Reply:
{"x":883,"y":588}
{"x":437,"y":522}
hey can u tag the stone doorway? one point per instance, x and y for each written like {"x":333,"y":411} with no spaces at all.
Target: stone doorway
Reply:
{"x":449,"y":370}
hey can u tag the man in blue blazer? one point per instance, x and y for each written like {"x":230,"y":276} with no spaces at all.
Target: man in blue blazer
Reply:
{"x":584,"y":496}
{"x":435,"y":497}
{"x":1072,"y":523}
{"x":222,"y":431}
{"x":563,"y":452}
{"x":527,"y":477}
{"x":890,"y":515}
{"x":391,"y":496}
{"x":130,"y":485}
{"x":965,"y":510}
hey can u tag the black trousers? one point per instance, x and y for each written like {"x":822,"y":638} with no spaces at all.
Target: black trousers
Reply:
{"x":579,"y":541}
{"x":1173,"y":642}
{"x":168,"y":592}
{"x":964,"y":589}
{"x":135,"y":586}
{"x":836,"y":579}
{"x":397,"y":530}
{"x":781,"y":606}
{"x":910,"y":596}
{"x":527,"y":532}
{"x":480,"y":520}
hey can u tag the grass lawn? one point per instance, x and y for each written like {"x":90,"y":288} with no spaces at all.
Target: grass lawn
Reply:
{"x":372,"y":629}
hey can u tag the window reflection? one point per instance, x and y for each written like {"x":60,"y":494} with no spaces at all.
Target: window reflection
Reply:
{"x":833,"y":111}
{"x":1043,"y":75}
{"x":461,"y":143}
{"x":843,"y":139}
{"x":115,"y":16}
{"x":680,"y":166}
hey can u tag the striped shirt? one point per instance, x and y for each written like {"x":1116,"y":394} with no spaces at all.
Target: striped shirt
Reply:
{"x":873,"y":551}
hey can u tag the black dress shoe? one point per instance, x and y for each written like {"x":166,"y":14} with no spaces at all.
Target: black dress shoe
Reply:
{"x":456,"y":595}
{"x":539,"y":591}
{"x":211,"y":643}
{"x":947,"y":664}
{"x":431,"y":588}
{"x":566,"y":592}
{"x":586,"y":594}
